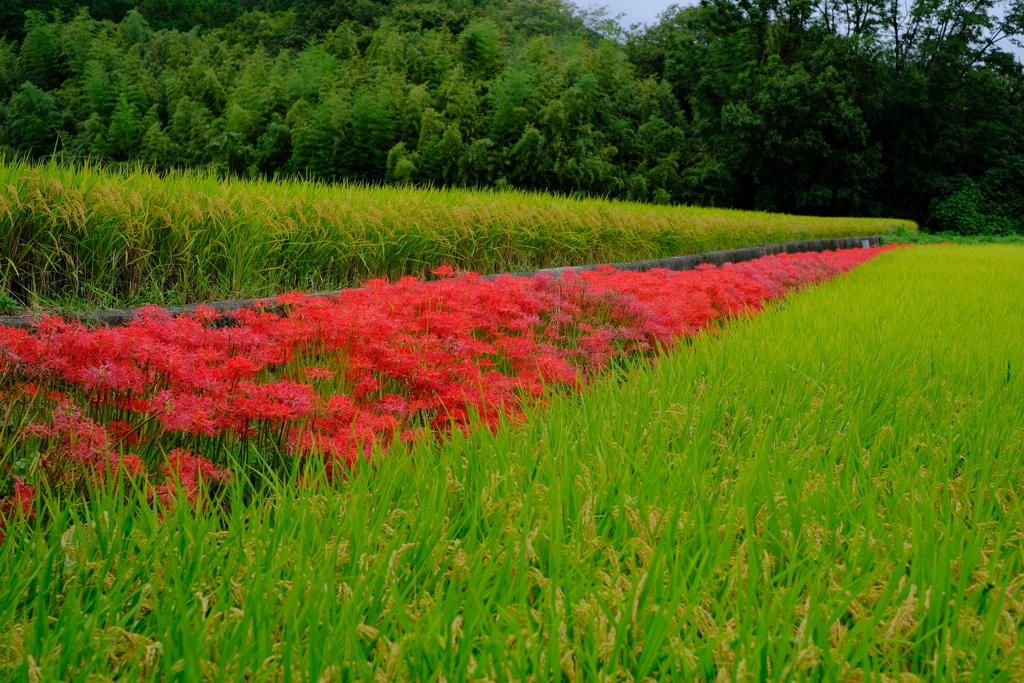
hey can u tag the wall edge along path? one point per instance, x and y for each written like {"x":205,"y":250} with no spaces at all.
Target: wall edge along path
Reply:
{"x":123,"y":316}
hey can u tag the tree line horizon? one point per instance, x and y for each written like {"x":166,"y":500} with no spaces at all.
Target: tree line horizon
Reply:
{"x":830,"y":108}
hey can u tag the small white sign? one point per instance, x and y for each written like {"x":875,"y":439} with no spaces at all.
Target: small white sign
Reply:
{"x":864,"y":244}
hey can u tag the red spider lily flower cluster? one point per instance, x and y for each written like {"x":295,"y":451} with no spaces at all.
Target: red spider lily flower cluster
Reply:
{"x":184,"y":473}
{"x":19,"y":504}
{"x":333,"y":376}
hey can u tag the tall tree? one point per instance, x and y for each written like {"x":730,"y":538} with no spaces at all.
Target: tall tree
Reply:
{"x":33,"y":120}
{"x":40,"y":53}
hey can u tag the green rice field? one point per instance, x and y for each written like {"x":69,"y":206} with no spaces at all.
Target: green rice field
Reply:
{"x":81,"y":237}
{"x":830,"y":491}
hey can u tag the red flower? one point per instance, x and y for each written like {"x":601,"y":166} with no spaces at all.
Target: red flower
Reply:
{"x":409,"y":354}
{"x":18,"y":505}
{"x":319,"y":372}
{"x":185,"y":474}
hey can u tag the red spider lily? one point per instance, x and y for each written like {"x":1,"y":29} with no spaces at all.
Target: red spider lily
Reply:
{"x":335,"y":375}
{"x":185,"y":473}
{"x":20,"y":504}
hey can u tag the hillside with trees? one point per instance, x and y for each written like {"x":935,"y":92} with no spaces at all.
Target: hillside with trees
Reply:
{"x":829,"y":108}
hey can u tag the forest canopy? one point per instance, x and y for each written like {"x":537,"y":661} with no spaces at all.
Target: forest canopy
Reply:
{"x":838,"y":107}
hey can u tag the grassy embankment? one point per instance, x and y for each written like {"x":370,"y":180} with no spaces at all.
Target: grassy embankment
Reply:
{"x":84,"y":237}
{"x":905,"y":236}
{"x":827,"y":492}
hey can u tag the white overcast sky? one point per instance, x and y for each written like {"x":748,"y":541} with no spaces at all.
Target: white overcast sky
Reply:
{"x":647,"y":11}
{"x":636,"y":11}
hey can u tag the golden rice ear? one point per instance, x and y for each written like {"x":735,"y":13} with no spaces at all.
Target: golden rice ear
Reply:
{"x":85,"y":236}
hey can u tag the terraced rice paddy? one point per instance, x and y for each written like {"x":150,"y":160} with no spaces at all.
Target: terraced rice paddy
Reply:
{"x":827,"y":491}
{"x":335,"y":377}
{"x":80,"y":237}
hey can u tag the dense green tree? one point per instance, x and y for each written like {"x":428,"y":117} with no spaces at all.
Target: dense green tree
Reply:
{"x":273,"y":147}
{"x":33,"y":120}
{"x":481,"y":49}
{"x":156,"y":149}
{"x":839,"y":108}
{"x":91,"y":140}
{"x":316,"y":17}
{"x":477,"y":166}
{"x":98,"y":89}
{"x":40,"y":53}
{"x":11,"y":75}
{"x":439,"y":149}
{"x":372,"y":137}
{"x":844,"y":107}
{"x":529,"y":165}
{"x":992,"y":205}
{"x":192,"y":128}
{"x":401,"y":165}
{"x":125,"y":130}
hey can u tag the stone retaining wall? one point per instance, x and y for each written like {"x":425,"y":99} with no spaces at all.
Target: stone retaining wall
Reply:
{"x":124,"y":315}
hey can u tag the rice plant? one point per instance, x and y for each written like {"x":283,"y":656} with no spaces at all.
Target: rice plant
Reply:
{"x":827,"y":492}
{"x":79,"y":236}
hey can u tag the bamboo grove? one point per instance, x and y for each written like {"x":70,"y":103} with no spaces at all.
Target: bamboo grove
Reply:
{"x":778,"y":106}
